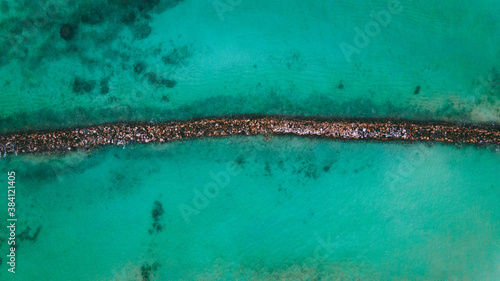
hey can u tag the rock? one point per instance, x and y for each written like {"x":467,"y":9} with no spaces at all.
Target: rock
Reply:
{"x":67,"y":31}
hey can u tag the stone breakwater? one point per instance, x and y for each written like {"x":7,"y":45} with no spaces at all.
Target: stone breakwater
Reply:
{"x":124,"y":133}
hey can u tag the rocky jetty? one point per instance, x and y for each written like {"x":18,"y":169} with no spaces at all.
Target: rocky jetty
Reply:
{"x":121,"y":133}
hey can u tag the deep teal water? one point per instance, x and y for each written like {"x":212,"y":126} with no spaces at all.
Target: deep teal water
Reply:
{"x":252,"y":208}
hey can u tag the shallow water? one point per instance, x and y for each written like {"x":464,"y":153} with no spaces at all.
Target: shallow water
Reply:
{"x":261,"y":57}
{"x":252,"y":208}
{"x":248,"y":208}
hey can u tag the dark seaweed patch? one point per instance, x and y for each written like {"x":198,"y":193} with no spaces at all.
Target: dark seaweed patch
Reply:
{"x":152,"y":78}
{"x":176,"y":56}
{"x":139,"y":67}
{"x":25,"y":235}
{"x":104,"y":86}
{"x":67,"y":31}
{"x":168,"y":83}
{"x":147,"y":269}
{"x":165,"y":98}
{"x":104,"y":89}
{"x":129,"y":17}
{"x":240,"y":160}
{"x":93,"y":16}
{"x":145,"y":272}
{"x":417,"y":90}
{"x":156,"y":213}
{"x":4,"y":7}
{"x":267,"y":168}
{"x":145,"y":5}
{"x":157,"y":210}
{"x":157,"y":80}
{"x":142,"y":31}
{"x":81,"y":85}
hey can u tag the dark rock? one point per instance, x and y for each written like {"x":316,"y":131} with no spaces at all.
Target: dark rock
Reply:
{"x":67,"y":31}
{"x":93,"y":17}
{"x":139,"y":67}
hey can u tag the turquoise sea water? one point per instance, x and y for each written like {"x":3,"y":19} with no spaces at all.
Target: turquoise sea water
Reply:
{"x":252,"y":208}
{"x":287,"y":208}
{"x":260,"y":57}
